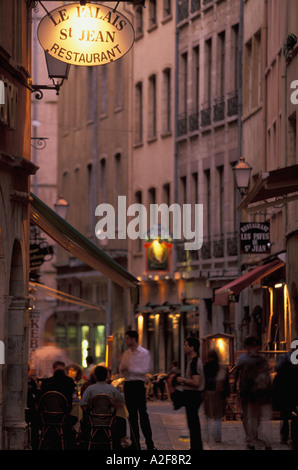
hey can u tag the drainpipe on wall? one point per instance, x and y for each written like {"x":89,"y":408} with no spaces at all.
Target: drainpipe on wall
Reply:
{"x":95,"y":138}
{"x":176,"y":79}
{"x":130,"y":318}
{"x":238,"y":198}
{"x":264,"y":39}
{"x":35,"y":115}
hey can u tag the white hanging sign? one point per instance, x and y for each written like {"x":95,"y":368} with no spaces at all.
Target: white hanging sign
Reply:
{"x":85,"y":35}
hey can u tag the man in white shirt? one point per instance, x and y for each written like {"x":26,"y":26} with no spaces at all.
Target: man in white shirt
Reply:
{"x":135,"y":364}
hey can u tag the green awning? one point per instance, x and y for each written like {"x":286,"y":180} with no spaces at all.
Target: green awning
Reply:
{"x":79,"y":246}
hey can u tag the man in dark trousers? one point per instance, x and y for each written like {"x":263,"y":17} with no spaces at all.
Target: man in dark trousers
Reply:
{"x":193,"y":384}
{"x":135,"y":364}
{"x":255,"y":390}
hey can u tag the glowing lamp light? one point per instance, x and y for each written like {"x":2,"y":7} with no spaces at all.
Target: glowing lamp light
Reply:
{"x":242,"y":174}
{"x":61,"y":207}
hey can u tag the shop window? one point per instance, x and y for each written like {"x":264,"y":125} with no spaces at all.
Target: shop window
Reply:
{"x":100,"y":346}
{"x":60,"y":335}
{"x":85,"y":344}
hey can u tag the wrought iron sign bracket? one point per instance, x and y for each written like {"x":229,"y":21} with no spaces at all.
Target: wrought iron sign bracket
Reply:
{"x":38,"y":89}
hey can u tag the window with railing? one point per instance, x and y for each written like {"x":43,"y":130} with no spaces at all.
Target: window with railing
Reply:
{"x":232,"y":246}
{"x":182,"y":10}
{"x":193,"y":121}
{"x":206,"y":249}
{"x":206,"y":115}
{"x":218,"y":246}
{"x":232,"y":104}
{"x":195,"y":5}
{"x":219,"y":109}
{"x":181,"y":124}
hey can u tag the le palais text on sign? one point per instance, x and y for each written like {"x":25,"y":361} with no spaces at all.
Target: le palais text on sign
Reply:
{"x":85,"y":35}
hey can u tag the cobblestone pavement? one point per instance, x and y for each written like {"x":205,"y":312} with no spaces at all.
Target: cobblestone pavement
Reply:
{"x":170,"y":431}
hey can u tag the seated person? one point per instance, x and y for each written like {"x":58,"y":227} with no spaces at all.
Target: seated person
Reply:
{"x":102,"y":387}
{"x":60,"y":382}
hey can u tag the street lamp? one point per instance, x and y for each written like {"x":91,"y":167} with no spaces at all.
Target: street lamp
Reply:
{"x":61,"y":207}
{"x":242,"y":175}
{"x":57,"y":70}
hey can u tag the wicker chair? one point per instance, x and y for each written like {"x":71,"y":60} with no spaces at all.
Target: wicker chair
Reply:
{"x":101,"y":410}
{"x":53,"y":411}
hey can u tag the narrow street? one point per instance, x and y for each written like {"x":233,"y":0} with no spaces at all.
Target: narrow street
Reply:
{"x":170,"y":430}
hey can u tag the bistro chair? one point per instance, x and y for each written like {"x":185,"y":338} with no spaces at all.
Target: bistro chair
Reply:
{"x":101,"y":410}
{"x":52,"y":411}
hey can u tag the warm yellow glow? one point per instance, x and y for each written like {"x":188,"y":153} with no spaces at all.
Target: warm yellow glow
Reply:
{"x":271,"y":315}
{"x":278,"y":285}
{"x":85,"y":345}
{"x":287,"y":315}
{"x":85,"y":35}
{"x":97,"y":350}
{"x":109,"y":352}
{"x":156,"y":277}
{"x":159,"y":251}
{"x":177,"y":276}
{"x":140,"y":328}
{"x":221,"y":345}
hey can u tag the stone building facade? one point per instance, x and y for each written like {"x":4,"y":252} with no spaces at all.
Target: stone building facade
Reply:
{"x":269,"y":144}
{"x":93,"y":165}
{"x":16,"y":169}
{"x":207,"y":143}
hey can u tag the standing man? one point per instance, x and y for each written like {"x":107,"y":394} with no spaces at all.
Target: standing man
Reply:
{"x":255,"y":389}
{"x":135,"y":364}
{"x":194,"y":383}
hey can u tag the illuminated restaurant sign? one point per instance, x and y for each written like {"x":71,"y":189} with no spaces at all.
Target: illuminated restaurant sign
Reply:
{"x":85,"y":35}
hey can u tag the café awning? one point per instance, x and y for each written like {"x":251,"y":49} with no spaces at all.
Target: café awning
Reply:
{"x":238,"y":285}
{"x":272,"y":188}
{"x":79,"y":246}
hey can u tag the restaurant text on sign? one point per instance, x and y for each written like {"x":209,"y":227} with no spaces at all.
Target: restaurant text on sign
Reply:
{"x":86,"y":35}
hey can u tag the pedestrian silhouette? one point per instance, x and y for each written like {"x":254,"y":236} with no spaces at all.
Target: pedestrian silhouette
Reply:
{"x":255,"y":387}
{"x":216,"y":391}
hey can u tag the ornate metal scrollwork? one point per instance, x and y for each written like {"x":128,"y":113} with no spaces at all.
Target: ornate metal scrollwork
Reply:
{"x":39,"y":143}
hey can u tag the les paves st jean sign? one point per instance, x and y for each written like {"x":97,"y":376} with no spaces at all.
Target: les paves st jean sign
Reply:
{"x":85,"y":35}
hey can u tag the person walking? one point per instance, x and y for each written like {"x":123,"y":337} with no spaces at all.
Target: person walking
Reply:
{"x":255,"y":390}
{"x":193,"y":385}
{"x":285,"y":398}
{"x":134,"y":365}
{"x":214,"y":396}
